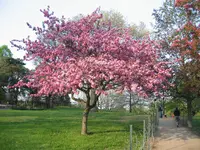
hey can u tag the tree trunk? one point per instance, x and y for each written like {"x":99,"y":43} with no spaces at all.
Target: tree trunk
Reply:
{"x":163,"y":105}
{"x":50,"y":102}
{"x":84,"y":122}
{"x":32,"y":103}
{"x":91,"y":102}
{"x":130,"y":108}
{"x":47,"y":102}
{"x":16,"y":99}
{"x":189,"y":109}
{"x":92,"y":97}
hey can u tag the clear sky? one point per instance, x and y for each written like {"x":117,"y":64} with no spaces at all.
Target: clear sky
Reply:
{"x":15,"y":13}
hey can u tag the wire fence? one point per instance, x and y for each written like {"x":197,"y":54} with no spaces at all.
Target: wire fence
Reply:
{"x":144,"y":139}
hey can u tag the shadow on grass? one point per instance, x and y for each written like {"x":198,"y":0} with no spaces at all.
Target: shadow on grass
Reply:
{"x":106,"y":131}
{"x":21,"y":108}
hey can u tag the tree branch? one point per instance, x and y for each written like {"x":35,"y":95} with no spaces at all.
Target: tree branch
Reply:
{"x":83,"y":90}
{"x":79,"y":100}
{"x":96,"y":98}
{"x":94,"y":103}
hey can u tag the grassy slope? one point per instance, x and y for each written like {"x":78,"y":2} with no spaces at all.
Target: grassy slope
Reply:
{"x":60,"y":129}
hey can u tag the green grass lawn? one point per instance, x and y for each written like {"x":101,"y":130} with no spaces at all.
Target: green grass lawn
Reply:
{"x":59,"y":129}
{"x":196,"y":123}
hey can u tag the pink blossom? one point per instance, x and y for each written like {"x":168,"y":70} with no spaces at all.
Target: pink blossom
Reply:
{"x":78,"y":54}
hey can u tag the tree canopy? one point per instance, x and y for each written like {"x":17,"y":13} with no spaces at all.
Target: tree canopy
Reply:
{"x":84,"y":55}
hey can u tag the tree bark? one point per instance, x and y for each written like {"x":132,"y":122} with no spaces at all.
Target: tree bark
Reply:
{"x":84,"y":122}
{"x":92,"y":97}
{"x":91,"y":103}
{"x":16,"y":93}
{"x":189,"y":109}
{"x":32,"y":103}
{"x":163,"y":104}
{"x":130,"y":108}
{"x":49,"y":102}
{"x":15,"y":99}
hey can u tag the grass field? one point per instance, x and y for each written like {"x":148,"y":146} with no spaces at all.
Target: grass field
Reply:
{"x":59,"y":129}
{"x":196,"y":123}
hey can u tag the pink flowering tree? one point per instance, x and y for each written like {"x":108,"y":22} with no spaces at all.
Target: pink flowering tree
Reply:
{"x":90,"y":57}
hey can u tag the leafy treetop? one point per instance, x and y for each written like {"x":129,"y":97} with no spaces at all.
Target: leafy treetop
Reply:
{"x":84,"y":54}
{"x":188,"y":41}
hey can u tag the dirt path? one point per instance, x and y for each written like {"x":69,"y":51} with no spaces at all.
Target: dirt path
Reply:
{"x":169,"y":137}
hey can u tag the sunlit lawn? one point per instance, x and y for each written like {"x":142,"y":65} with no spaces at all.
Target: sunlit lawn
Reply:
{"x":59,"y":129}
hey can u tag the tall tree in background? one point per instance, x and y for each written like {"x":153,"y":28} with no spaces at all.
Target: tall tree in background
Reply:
{"x":11,"y":71}
{"x":177,"y":25}
{"x":5,"y":55}
{"x":5,"y":51}
{"x":83,"y":55}
{"x":188,"y":45}
{"x":117,"y":20}
{"x":17,"y":74}
{"x":114,"y":18}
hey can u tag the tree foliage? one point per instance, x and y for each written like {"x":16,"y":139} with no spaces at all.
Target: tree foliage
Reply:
{"x":187,"y":44}
{"x":5,"y":51}
{"x":81,"y":54}
{"x":117,"y":20}
{"x":178,"y":26}
{"x":168,"y":20}
{"x":11,"y":71}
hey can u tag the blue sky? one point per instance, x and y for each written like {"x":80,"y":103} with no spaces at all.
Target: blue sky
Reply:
{"x":15,"y":13}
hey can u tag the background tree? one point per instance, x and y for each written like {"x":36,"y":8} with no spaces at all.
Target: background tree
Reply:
{"x":5,"y":54}
{"x":5,"y":51}
{"x":84,"y":55}
{"x":188,"y":44}
{"x":11,"y":71}
{"x":117,"y":20}
{"x":177,"y":25}
{"x":17,"y":74}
